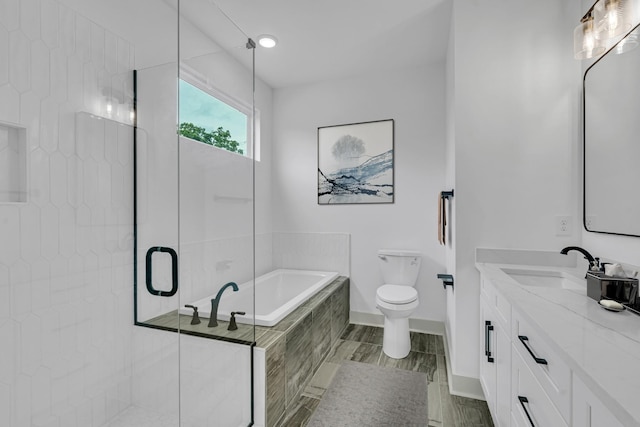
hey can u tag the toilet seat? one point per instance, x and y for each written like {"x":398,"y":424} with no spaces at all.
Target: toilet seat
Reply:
{"x":397,"y":294}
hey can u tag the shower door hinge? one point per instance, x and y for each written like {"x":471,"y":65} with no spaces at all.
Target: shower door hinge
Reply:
{"x":250,"y":44}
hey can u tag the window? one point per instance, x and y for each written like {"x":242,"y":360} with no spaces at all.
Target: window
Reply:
{"x":210,"y":120}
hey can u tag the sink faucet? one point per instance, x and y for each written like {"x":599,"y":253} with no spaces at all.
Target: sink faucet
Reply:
{"x":594,"y":263}
{"x":213,"y":318}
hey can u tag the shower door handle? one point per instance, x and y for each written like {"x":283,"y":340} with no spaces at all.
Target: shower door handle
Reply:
{"x":174,"y":271}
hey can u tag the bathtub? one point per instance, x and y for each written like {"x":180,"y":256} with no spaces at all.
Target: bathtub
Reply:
{"x":278,"y":293}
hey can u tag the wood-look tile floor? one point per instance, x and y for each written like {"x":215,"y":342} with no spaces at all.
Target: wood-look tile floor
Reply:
{"x":364,"y":344}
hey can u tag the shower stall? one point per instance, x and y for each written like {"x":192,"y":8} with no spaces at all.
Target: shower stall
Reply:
{"x":119,"y":205}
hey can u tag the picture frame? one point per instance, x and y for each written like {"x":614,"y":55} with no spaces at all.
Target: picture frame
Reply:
{"x":356,"y":163}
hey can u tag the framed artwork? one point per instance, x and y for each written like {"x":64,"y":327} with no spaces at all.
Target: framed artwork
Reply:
{"x":355,"y":163}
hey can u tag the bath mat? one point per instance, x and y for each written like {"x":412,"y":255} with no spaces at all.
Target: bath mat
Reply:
{"x":368,"y":395}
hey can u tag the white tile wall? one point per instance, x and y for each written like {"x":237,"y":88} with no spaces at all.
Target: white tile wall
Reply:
{"x":69,"y":355}
{"x":313,"y":251}
{"x":65,"y":254}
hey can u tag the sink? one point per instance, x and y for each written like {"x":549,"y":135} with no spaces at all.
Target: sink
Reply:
{"x":545,"y":279}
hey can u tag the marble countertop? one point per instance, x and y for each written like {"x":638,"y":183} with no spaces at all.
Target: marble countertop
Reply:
{"x":602,"y":347}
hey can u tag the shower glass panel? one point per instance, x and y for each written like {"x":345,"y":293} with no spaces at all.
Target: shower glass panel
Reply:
{"x":215,"y":146}
{"x":156,"y":347}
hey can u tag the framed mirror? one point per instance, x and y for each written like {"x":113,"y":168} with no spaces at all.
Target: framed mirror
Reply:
{"x":611,"y":108}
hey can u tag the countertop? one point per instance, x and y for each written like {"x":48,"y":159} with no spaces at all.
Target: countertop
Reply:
{"x":601,"y":346}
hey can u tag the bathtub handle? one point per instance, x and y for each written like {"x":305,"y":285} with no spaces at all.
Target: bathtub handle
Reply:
{"x":174,"y":271}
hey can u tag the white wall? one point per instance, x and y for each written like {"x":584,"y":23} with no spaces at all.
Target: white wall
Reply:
{"x":415,"y":99}
{"x":516,"y":112}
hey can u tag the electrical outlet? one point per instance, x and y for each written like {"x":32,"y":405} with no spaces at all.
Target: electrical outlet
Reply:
{"x":563,"y":225}
{"x":589,"y":222}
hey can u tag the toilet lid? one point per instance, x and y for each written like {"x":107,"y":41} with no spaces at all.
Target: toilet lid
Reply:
{"x":396,"y":294}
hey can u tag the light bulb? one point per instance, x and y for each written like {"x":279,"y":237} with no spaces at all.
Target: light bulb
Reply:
{"x":585,"y":43}
{"x":267,"y":40}
{"x":588,"y":43}
{"x":611,"y":19}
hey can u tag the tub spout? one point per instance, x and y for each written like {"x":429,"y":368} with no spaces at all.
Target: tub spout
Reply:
{"x":213,"y":318}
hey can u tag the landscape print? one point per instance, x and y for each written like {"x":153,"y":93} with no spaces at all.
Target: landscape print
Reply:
{"x":355,"y":163}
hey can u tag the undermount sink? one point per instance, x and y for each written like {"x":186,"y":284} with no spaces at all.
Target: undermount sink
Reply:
{"x":545,"y":279}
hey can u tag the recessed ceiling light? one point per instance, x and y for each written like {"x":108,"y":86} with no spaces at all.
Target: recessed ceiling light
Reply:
{"x":267,"y":40}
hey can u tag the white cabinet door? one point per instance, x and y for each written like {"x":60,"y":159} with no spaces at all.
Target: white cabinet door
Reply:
{"x":503,"y":376}
{"x":588,"y":410}
{"x":530,"y":405}
{"x":487,"y":355}
{"x":495,"y":365}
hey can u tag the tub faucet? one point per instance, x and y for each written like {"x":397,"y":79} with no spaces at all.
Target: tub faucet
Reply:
{"x":213,"y":318}
{"x":594,"y":263}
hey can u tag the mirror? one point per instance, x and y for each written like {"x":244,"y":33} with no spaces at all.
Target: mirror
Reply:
{"x":612,"y":140}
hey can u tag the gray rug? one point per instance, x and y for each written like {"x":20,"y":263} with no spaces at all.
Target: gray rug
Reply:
{"x":368,"y":395}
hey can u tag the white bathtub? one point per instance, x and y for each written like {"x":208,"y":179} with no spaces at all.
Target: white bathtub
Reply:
{"x":277,"y":294}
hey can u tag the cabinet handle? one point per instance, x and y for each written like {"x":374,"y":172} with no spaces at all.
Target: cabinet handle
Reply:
{"x":523,"y":339}
{"x":488,"y":327}
{"x":524,"y":400}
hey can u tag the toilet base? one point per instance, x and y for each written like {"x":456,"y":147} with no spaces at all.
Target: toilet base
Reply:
{"x":396,"y":342}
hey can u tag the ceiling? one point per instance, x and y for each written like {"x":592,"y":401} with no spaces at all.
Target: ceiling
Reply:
{"x":329,"y":39}
{"x":318,"y":40}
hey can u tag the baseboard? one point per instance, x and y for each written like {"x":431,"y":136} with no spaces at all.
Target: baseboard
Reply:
{"x":460,"y":385}
{"x":418,"y":325}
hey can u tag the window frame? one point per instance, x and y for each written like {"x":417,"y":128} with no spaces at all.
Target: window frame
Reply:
{"x":192,"y":77}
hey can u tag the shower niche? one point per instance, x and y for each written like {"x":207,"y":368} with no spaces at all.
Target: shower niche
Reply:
{"x":13,"y":164}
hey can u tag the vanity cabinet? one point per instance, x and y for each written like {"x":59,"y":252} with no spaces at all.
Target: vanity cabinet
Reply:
{"x":525,"y":380}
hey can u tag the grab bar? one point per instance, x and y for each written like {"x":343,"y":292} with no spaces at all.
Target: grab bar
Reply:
{"x":174,"y":271}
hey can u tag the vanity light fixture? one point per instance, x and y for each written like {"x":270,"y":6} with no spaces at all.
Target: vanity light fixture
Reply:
{"x":612,"y":18}
{"x":630,"y":42}
{"x":267,"y":40}
{"x":600,"y":26}
{"x":585,"y":43}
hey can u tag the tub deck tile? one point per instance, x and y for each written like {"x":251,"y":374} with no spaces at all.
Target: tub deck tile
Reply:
{"x":298,"y":363}
{"x":321,"y":331}
{"x":340,"y":309}
{"x":275,"y":381}
{"x":292,"y":319}
{"x":333,"y":286}
{"x":268,"y":338}
{"x":173,"y":320}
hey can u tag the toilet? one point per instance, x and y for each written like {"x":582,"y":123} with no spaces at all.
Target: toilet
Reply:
{"x":397,"y":299}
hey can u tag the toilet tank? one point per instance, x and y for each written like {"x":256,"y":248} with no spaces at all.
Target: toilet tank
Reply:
{"x":399,"y":267}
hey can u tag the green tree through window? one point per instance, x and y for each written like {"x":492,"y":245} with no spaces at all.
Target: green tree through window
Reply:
{"x":218,"y":138}
{"x":207,"y":119}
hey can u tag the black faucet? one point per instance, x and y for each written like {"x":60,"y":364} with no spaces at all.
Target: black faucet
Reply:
{"x":213,"y":318}
{"x":594,"y":263}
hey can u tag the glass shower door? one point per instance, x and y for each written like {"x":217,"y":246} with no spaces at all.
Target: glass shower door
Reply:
{"x":216,"y":185}
{"x":195,"y":229}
